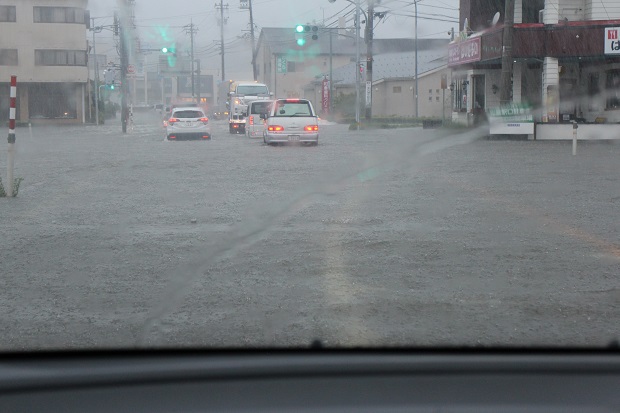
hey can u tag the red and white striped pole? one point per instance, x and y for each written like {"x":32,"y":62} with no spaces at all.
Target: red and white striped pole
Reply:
{"x":11,"y":151}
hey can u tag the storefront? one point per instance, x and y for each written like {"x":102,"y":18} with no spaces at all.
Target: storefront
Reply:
{"x":567,"y":72}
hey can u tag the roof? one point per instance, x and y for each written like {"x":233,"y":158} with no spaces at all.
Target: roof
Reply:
{"x":394,"y":65}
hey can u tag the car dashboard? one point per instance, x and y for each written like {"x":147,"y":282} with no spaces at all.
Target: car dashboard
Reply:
{"x":311,"y":381}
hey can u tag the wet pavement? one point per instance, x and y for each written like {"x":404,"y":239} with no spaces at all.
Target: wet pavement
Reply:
{"x":378,"y":237}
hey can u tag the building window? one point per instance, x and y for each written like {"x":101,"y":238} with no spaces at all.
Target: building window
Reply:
{"x":430,"y":91}
{"x":59,"y":15}
{"x":613,"y":89}
{"x":7,"y":14}
{"x":52,"y":101}
{"x":437,"y":98}
{"x":60,"y":57}
{"x":8,"y":57}
{"x":437,"y":91}
{"x":397,"y":89}
{"x":430,"y":98}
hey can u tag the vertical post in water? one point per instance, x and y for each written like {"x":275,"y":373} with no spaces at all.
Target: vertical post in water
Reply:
{"x":11,"y":149}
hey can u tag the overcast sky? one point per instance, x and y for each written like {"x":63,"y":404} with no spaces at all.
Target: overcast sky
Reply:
{"x":158,"y":18}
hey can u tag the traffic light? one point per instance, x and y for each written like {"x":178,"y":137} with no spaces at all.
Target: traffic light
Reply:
{"x":315,"y":32}
{"x":302,"y":31}
{"x":169,"y":50}
{"x":109,"y":76}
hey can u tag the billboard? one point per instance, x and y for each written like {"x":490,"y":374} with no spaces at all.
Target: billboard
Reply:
{"x":465,"y":51}
{"x":612,"y":40}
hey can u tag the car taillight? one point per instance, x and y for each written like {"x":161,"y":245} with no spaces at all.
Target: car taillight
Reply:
{"x":172,"y":137}
{"x":311,"y":128}
{"x":275,"y":128}
{"x":172,"y":120}
{"x":251,"y":120}
{"x":204,"y":120}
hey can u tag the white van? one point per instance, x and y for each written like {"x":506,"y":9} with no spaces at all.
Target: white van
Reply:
{"x":255,"y":126}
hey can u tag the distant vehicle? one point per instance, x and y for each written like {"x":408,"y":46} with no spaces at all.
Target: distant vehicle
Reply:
{"x":292,"y":120}
{"x":255,"y":126}
{"x":187,"y":123}
{"x":237,"y":95}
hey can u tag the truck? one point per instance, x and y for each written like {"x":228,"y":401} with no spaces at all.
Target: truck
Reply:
{"x":238,"y":95}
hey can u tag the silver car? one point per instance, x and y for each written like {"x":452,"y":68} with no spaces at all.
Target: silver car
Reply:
{"x":187,"y":123}
{"x":292,"y":120}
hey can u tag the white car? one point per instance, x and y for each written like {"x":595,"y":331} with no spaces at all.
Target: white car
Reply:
{"x":255,"y":126}
{"x":292,"y":120}
{"x":187,"y":123}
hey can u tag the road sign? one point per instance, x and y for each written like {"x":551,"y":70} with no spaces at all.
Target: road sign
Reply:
{"x":281,"y":64}
{"x":131,"y":69}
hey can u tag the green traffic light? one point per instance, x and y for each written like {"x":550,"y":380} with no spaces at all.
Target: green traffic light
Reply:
{"x":164,"y":50}
{"x":112,"y":87}
{"x":301,"y":42}
{"x":299,"y":28}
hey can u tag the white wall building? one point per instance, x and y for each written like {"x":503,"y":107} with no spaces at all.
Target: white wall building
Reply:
{"x":43,"y":43}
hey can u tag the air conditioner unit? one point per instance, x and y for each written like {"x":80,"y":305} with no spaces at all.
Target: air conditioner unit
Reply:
{"x":541,"y":16}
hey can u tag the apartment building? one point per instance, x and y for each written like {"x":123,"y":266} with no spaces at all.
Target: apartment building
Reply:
{"x":566,"y":59}
{"x":43,"y":43}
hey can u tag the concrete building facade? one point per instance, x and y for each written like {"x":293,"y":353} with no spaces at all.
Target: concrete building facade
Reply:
{"x":43,"y":43}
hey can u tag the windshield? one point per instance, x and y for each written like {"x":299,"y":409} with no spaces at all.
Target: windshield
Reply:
{"x":455,"y":183}
{"x":252,"y":90}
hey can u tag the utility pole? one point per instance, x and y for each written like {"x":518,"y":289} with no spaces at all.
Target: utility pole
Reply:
{"x":416,"y":91}
{"x":254,"y":71}
{"x":369,"y":58}
{"x":221,"y":7}
{"x":94,"y":29}
{"x":357,"y":61}
{"x":123,"y":36}
{"x":199,"y":84}
{"x":331,"y":74}
{"x":505,"y":88}
{"x":189,"y":29}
